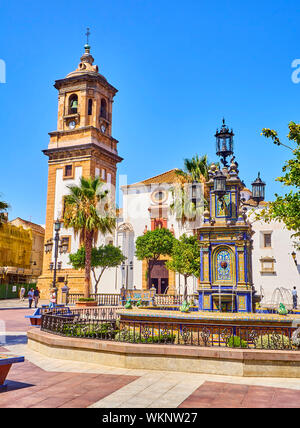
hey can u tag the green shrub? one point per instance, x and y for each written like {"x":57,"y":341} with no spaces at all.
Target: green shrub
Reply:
{"x":272,"y":341}
{"x":130,"y":337}
{"x":236,"y":342}
{"x":101,"y":331}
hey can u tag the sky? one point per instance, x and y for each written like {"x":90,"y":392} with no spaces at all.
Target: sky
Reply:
{"x":179,"y":66}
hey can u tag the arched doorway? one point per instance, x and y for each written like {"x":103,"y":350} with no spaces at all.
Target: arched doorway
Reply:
{"x":160,"y":277}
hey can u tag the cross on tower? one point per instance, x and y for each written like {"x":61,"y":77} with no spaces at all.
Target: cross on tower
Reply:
{"x":87,"y":35}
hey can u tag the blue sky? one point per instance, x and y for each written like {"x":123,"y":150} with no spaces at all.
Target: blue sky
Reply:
{"x":179,"y":67}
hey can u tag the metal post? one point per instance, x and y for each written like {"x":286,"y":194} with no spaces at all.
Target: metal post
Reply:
{"x":56,"y":241}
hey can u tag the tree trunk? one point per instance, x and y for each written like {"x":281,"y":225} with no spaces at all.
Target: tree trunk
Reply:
{"x":88,"y":262}
{"x":150,"y":266}
{"x":185,"y":288}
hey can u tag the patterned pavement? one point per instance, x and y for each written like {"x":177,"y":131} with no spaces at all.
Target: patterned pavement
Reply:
{"x":45,"y":382}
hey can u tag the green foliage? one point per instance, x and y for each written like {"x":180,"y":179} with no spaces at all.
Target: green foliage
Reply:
{"x":3,"y":210}
{"x":272,"y":341}
{"x":104,"y":257}
{"x":154,"y":244}
{"x":195,"y":170}
{"x":287,"y":208}
{"x":95,"y":331}
{"x":185,"y":256}
{"x":88,"y":212}
{"x":87,"y":209}
{"x":236,"y":342}
{"x":131,"y":337}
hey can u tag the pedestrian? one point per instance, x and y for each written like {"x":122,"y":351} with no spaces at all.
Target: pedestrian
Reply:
{"x":22,"y":293}
{"x":30,"y":297}
{"x":36,"y":294}
{"x":295,"y":298}
{"x":52,"y":298}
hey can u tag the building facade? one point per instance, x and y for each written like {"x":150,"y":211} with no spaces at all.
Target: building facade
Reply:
{"x":81,"y":146}
{"x":21,"y":251}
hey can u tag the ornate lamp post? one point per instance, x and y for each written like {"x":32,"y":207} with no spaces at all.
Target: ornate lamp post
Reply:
{"x":258,"y":190}
{"x":219,"y":184}
{"x":224,"y":143}
{"x":62,"y":247}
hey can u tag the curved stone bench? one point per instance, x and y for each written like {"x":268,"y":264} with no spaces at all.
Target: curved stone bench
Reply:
{"x":192,"y":359}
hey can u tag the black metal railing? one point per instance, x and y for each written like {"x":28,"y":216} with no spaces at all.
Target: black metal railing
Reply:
{"x":101,"y":299}
{"x":85,"y":324}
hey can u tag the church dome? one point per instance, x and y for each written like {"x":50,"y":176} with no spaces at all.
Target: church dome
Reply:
{"x":86,"y":65}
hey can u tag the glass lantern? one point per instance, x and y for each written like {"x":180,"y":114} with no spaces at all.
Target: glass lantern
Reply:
{"x":219,"y":184}
{"x":224,"y":143}
{"x":258,"y":190}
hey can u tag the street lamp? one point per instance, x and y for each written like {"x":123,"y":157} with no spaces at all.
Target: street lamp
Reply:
{"x":219,"y":184}
{"x":258,"y":190}
{"x":127,"y":266}
{"x":224,"y":143}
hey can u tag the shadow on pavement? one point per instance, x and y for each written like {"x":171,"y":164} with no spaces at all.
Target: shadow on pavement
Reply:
{"x":11,"y":385}
{"x":15,"y":340}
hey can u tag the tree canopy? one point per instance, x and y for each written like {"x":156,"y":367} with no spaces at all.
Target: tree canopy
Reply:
{"x":3,"y":210}
{"x":104,"y":257}
{"x":152,"y":245}
{"x":287,"y":208}
{"x":185,"y":258}
{"x":88,"y":212}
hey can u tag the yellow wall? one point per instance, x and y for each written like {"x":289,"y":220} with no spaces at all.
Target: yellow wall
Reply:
{"x":15,"y":246}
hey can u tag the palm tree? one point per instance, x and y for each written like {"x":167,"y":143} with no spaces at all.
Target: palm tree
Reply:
{"x":3,"y":210}
{"x":195,"y":170}
{"x":88,"y":212}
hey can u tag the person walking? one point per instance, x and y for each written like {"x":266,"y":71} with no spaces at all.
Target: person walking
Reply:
{"x":36,"y":294}
{"x":295,"y":298}
{"x":22,"y":293}
{"x":30,"y":297}
{"x":52,"y":298}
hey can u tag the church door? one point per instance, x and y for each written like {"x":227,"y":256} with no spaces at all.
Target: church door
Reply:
{"x":160,"y":277}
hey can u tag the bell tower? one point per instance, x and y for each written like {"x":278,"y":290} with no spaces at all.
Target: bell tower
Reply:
{"x":82,"y":145}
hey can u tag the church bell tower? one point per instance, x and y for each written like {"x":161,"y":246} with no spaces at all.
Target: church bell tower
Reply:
{"x":82,"y":145}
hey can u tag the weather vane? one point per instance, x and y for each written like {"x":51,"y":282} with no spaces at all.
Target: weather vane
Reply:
{"x":87,"y":35}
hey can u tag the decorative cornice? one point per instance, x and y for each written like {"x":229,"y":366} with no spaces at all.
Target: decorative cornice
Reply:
{"x":93,"y":78}
{"x":84,"y":149}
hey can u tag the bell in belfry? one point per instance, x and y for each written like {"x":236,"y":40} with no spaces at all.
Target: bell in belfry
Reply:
{"x":74,"y":106}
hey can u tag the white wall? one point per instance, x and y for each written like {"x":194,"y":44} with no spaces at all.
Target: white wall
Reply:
{"x":286,"y":272}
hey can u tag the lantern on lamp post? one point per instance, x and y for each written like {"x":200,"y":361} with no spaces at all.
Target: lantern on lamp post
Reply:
{"x":258,"y":190}
{"x":219,"y":184}
{"x":224,"y":143}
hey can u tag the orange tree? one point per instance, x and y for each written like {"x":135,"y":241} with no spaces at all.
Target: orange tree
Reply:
{"x":152,"y":245}
{"x":185,"y":258}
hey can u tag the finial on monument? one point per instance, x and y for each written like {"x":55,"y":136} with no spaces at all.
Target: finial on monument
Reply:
{"x":88,"y":33}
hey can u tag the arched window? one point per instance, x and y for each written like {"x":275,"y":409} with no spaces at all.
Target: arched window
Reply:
{"x":90,"y":107}
{"x":223,"y":266}
{"x":73,"y":104}
{"x":103,"y":110}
